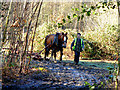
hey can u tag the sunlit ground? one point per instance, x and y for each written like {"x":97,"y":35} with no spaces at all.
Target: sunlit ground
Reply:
{"x":102,"y":64}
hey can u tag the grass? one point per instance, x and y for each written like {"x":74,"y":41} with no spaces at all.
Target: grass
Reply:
{"x":100,"y":64}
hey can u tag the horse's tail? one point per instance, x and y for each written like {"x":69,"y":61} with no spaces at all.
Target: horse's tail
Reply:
{"x":46,"y":49}
{"x":45,"y":43}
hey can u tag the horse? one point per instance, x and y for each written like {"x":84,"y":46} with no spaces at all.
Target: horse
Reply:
{"x":55,"y":42}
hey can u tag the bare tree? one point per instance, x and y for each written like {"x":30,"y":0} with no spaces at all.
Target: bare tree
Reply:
{"x":35,"y":31}
{"x":26,"y":38}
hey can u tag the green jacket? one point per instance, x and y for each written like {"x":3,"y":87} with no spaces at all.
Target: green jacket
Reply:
{"x":77,"y":45}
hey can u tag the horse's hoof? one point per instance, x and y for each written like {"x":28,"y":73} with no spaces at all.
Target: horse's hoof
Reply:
{"x":55,"y":61}
{"x":60,"y":61}
{"x":51,"y":58}
{"x":47,"y":59}
{"x":44,"y":58}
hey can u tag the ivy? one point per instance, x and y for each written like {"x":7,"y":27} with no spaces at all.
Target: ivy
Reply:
{"x":74,"y":15}
{"x":78,"y":18}
{"x":83,"y":10}
{"x":63,"y":20}
{"x":93,"y":7}
{"x":68,"y":16}
{"x":88,"y":13}
{"x":82,"y":17}
{"x":76,"y":9}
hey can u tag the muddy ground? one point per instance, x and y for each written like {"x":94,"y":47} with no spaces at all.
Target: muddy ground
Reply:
{"x":55,"y":74}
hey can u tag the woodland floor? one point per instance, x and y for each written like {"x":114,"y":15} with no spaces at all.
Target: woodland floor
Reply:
{"x":63,"y":75}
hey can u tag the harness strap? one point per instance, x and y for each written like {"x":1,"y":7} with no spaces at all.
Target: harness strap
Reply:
{"x":56,"y":39}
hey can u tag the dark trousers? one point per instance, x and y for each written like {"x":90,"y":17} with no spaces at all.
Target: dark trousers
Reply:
{"x":76,"y":58}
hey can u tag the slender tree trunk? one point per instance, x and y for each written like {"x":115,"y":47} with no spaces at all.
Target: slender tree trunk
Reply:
{"x":75,"y":27}
{"x":5,"y":30}
{"x":118,"y":3}
{"x":34,"y":32}
{"x":81,"y":21}
{"x":6,"y":24}
{"x":26,"y":38}
{"x":24,"y":13}
{"x":118,"y":58}
{"x":21,"y":35}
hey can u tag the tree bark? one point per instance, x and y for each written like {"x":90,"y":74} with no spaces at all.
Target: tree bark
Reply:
{"x":26,"y":38}
{"x":118,"y":4}
{"x":6,"y":24}
{"x":34,"y":32}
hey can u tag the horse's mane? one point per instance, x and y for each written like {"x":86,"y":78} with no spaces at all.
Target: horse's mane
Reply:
{"x":49,"y":35}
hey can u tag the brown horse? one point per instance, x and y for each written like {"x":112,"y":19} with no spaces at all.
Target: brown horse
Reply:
{"x":55,"y":42}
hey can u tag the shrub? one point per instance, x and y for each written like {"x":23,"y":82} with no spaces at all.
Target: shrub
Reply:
{"x":103,"y":42}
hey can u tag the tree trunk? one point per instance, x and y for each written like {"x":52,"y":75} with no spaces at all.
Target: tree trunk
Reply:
{"x":34,"y":32}
{"x":118,"y":3}
{"x":118,"y":70}
{"x":81,"y":23}
{"x":26,"y":38}
{"x":6,"y":24}
{"x":75,"y":26}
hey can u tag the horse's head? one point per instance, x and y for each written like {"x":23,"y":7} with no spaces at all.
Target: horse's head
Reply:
{"x":64,"y":39}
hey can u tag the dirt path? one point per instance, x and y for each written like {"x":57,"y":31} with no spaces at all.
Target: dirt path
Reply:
{"x":60,"y":75}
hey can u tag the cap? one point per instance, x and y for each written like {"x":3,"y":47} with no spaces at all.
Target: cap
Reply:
{"x":78,"y":34}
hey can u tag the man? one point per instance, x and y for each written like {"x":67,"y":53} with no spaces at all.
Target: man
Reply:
{"x":77,"y":46}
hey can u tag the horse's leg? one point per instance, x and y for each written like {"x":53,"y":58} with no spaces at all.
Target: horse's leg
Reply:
{"x":46,"y":53}
{"x":61,"y":53}
{"x":51,"y":58}
{"x":55,"y":55}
